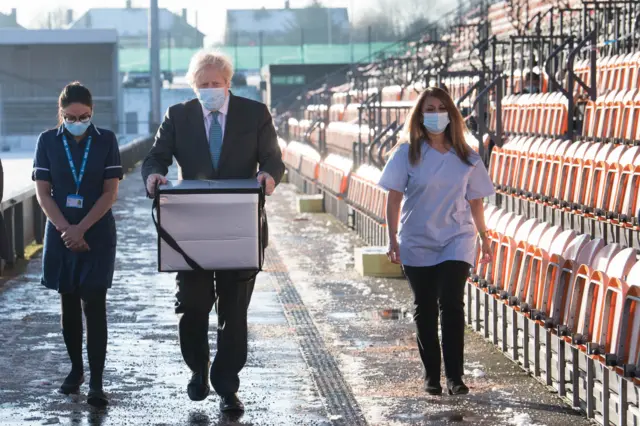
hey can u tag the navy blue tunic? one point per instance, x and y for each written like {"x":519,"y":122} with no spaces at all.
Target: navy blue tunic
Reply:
{"x":62,"y":269}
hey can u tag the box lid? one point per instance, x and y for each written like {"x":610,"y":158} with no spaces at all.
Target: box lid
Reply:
{"x":211,"y":186}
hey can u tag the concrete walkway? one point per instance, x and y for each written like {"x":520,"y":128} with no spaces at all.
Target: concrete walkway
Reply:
{"x":320,"y":350}
{"x":145,"y":375}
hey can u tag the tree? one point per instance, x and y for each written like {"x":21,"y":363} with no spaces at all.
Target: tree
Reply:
{"x":391,"y":20}
{"x":50,"y":19}
{"x":519,"y":14}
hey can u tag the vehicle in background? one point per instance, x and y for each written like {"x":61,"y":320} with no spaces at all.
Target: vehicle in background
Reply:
{"x":143,"y":79}
{"x":239,"y":80}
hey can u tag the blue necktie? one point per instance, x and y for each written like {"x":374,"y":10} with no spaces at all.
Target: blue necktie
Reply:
{"x":215,"y":138}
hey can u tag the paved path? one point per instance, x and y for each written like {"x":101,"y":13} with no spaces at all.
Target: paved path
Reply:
{"x":320,"y":352}
{"x":145,"y":376}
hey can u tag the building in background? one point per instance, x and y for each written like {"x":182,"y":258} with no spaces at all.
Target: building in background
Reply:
{"x":132,"y":25}
{"x":35,"y":65}
{"x":283,"y":82}
{"x":311,"y":25}
{"x":10,"y":21}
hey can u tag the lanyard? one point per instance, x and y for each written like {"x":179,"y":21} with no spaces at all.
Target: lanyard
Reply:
{"x":77,"y":177}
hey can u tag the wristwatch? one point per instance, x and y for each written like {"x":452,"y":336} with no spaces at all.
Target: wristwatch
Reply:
{"x":482,"y":234}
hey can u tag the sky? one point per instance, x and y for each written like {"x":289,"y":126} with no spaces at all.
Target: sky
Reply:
{"x":211,"y":13}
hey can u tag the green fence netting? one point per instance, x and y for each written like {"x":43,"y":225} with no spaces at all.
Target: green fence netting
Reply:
{"x":248,"y":57}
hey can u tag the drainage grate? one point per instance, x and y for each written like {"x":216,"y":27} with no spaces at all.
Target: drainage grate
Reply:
{"x":340,"y":402}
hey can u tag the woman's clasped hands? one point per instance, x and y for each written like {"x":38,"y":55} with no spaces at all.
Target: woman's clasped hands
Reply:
{"x":73,"y":237}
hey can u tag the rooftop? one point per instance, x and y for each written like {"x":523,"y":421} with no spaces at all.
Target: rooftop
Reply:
{"x":283,"y":20}
{"x":128,"y":22}
{"x":9,"y":21}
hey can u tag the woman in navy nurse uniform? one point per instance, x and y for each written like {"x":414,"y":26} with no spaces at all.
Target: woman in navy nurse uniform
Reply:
{"x":77,"y":171}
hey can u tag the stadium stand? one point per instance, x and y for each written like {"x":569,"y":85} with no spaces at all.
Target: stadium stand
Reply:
{"x":551,"y":93}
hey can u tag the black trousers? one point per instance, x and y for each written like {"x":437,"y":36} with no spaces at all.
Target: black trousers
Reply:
{"x":439,"y":290}
{"x":231,"y":292}
{"x":95,"y":312}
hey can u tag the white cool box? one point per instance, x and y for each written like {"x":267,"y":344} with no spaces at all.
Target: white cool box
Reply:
{"x":210,"y":225}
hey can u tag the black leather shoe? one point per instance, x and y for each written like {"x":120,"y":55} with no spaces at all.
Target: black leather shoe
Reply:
{"x":433,"y":387}
{"x":231,"y":403}
{"x":72,"y":383}
{"x":198,"y":387}
{"x":457,"y":387}
{"x":97,"y":398}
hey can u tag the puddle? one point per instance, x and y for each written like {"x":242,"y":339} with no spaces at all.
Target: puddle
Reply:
{"x":343,"y":315}
{"x":454,"y":417}
{"x":445,"y":417}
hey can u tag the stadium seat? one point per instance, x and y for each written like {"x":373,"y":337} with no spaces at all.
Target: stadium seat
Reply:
{"x":333,"y":174}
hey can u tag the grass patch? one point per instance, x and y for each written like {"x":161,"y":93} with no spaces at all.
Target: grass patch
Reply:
{"x":20,"y":266}
{"x":32,"y":250}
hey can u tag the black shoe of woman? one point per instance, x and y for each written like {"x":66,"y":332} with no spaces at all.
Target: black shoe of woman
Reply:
{"x":97,"y":397}
{"x":457,"y":387}
{"x":433,"y":387}
{"x":72,"y":383}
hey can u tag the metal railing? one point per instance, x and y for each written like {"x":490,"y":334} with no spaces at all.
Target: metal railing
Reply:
{"x":24,"y":220}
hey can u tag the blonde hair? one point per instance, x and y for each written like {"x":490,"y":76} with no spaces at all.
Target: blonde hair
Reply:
{"x":206,"y":58}
{"x":414,"y":132}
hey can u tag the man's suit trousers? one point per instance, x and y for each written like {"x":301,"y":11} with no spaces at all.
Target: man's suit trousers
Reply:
{"x":197,"y":293}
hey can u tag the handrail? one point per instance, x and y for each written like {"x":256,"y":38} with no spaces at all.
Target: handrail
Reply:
{"x":316,"y":123}
{"x":547,"y":67}
{"x":482,"y":125}
{"x":377,"y":139}
{"x":468,"y":93}
{"x":538,"y":16}
{"x":573,"y":78}
{"x":387,"y":141}
{"x":361,"y":108}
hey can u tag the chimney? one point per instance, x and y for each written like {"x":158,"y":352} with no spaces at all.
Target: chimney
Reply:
{"x":14,"y":14}
{"x":128,"y":4}
{"x":69,"y":16}
{"x":184,"y":14}
{"x":286,"y":4}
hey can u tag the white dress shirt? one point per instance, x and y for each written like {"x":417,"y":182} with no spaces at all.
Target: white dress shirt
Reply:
{"x":222,"y":117}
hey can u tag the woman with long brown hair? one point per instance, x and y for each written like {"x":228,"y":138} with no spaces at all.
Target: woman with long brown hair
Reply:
{"x":440,"y":183}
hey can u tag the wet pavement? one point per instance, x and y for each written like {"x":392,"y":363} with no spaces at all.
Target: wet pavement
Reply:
{"x":326,"y":345}
{"x":366,"y":323}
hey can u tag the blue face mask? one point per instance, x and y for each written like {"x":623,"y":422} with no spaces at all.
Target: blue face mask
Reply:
{"x":435,"y":122}
{"x":78,"y":128}
{"x":211,"y":99}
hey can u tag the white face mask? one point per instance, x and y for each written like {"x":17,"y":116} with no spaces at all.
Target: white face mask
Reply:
{"x":211,"y":99}
{"x":436,"y":122}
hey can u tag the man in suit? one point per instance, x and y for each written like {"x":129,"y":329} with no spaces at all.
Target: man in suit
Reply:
{"x":216,"y":136}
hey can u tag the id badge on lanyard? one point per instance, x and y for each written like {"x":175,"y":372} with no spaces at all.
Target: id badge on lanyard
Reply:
{"x":76,"y":201}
